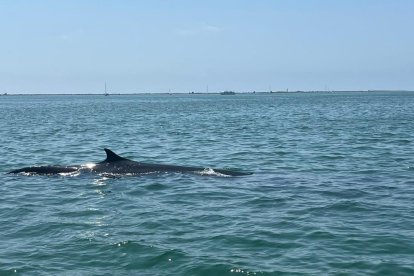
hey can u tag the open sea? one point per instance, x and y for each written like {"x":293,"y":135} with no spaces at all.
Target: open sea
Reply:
{"x":332,"y":191}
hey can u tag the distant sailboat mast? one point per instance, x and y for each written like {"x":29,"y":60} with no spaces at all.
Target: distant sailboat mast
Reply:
{"x":106,"y":93}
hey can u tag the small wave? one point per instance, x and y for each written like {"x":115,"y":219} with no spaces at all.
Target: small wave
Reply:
{"x":242,"y":271}
{"x":119,"y":175}
{"x":156,"y":186}
{"x":211,"y":172}
{"x":70,"y":174}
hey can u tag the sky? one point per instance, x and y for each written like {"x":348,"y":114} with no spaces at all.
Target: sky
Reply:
{"x":182,"y":46}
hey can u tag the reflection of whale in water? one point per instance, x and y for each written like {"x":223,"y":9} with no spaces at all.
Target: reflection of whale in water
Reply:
{"x":117,"y":165}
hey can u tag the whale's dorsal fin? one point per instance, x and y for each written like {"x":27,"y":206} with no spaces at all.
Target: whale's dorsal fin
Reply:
{"x":112,"y":156}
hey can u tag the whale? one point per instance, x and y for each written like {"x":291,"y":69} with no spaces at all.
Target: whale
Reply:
{"x":115,"y":165}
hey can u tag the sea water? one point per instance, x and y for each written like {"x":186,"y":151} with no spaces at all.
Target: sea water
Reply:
{"x":332,"y":190}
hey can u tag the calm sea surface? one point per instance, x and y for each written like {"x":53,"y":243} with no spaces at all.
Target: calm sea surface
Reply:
{"x":332,"y":190}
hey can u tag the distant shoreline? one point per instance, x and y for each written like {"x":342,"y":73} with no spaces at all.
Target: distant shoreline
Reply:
{"x":207,"y":93}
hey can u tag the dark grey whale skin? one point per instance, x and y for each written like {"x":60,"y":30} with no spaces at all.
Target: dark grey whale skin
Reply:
{"x":117,"y":165}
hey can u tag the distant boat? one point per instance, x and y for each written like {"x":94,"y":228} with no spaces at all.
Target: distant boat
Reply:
{"x":106,"y":93}
{"x":227,"y":93}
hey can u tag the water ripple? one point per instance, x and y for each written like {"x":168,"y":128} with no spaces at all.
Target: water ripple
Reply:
{"x":331,"y":192}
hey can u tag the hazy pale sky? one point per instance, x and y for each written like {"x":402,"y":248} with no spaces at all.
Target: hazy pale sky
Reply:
{"x":156,"y":46}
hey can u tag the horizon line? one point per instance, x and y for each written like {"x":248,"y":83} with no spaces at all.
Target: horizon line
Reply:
{"x":214,"y":93}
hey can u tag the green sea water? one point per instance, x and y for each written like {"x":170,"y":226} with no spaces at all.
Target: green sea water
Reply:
{"x":332,"y":191}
